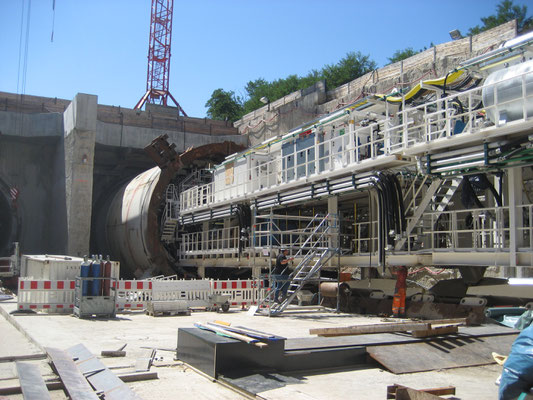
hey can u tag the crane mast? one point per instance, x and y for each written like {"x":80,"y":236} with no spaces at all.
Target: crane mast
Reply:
{"x":157,"y":91}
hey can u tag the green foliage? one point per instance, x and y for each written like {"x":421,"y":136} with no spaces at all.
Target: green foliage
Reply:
{"x":224,"y":106}
{"x":400,"y":55}
{"x":505,"y":11}
{"x":347,"y":69}
{"x":352,"y":66}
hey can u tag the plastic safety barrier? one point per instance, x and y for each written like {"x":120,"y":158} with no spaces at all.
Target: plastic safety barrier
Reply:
{"x":46,"y":295}
{"x":133,"y":294}
{"x":242,"y":292}
{"x":195,"y":292}
{"x":58,"y":296}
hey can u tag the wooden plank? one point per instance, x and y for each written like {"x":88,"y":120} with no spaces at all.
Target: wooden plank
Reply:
{"x":58,"y":385}
{"x":429,"y":355}
{"x":243,"y":331}
{"x":385,"y":328}
{"x":442,"y":330}
{"x":368,"y":329}
{"x":138,"y":376}
{"x":406,"y":393}
{"x":441,"y":391}
{"x":39,"y":356}
{"x":467,"y":333}
{"x":75,"y":383}
{"x":31,"y":382}
{"x":233,"y":335}
{"x":113,"y":353}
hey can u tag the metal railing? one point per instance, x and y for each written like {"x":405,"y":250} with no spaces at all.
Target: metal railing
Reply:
{"x":293,"y":232}
{"x":339,"y":147}
{"x":482,"y":229}
{"x":214,"y":241}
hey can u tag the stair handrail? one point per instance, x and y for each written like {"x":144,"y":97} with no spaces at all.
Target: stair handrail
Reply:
{"x":326,"y":218}
{"x":278,"y":308}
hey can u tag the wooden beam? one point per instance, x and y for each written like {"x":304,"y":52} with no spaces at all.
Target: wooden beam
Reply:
{"x":385,"y":328}
{"x":366,"y":329}
{"x":113,"y":353}
{"x":397,"y":392}
{"x":413,"y":394}
{"x":39,"y":356}
{"x":58,"y":385}
{"x":442,"y":330}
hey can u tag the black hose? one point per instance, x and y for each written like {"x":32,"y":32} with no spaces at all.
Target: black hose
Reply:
{"x":403,"y":220}
{"x":394,"y":203}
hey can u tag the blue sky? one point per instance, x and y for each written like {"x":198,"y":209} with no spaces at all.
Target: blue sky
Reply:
{"x":100,"y":46}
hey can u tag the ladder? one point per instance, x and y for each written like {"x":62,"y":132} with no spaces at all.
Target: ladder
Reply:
{"x":169,"y":220}
{"x":436,"y":199}
{"x":318,"y":254}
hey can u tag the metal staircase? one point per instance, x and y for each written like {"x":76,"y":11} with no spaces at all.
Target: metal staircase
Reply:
{"x":169,"y":219}
{"x":436,"y":199}
{"x":318,"y":251}
{"x":196,"y":178}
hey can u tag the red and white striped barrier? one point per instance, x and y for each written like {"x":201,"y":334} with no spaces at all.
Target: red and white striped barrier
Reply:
{"x":58,"y":296}
{"x":132,"y":294}
{"x":242,"y":292}
{"x":46,"y":295}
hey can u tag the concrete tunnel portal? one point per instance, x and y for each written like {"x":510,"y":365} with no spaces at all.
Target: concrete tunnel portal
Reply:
{"x":7,"y":223}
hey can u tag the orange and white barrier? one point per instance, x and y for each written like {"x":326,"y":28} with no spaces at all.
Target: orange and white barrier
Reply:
{"x":46,"y":295}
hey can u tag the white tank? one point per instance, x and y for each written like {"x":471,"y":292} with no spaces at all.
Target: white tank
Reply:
{"x":505,"y":87}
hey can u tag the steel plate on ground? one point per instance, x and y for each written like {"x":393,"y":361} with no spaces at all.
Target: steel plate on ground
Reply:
{"x":446,"y":353}
{"x":31,"y":382}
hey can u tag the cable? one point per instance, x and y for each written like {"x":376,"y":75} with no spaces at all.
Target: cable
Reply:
{"x":53,"y":19}
{"x":25,"y":65}
{"x":20,"y":44}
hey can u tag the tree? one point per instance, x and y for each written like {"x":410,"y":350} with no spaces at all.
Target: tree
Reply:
{"x":400,"y":55}
{"x":352,"y":66}
{"x":224,"y":105}
{"x":505,"y":11}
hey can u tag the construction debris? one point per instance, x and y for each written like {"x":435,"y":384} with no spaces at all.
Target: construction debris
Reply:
{"x":80,"y":371}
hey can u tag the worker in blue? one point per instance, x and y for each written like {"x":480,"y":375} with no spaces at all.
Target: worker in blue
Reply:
{"x":517,"y":376}
{"x":280,"y":277}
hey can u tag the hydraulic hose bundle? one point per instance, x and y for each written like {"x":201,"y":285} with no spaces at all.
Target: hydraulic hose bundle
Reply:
{"x":244,"y":215}
{"x":391,"y":213}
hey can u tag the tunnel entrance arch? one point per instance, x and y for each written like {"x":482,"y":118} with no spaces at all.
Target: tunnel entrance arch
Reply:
{"x":8,"y":219}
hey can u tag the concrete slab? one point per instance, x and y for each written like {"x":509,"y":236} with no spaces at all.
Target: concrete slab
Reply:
{"x":139,"y":331}
{"x":14,"y":343}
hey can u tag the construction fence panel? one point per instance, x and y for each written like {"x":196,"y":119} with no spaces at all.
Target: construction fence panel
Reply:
{"x":58,"y":296}
{"x":133,"y":294}
{"x":195,"y":292}
{"x":45,"y":295}
{"x":243,"y":292}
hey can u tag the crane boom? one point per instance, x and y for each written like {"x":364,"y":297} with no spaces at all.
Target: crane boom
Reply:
{"x":157,"y":91}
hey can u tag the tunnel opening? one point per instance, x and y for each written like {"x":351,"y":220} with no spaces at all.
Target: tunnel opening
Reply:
{"x":6,"y":226}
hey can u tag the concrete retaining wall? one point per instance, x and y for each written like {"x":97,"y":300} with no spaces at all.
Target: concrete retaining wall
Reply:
{"x":301,"y":106}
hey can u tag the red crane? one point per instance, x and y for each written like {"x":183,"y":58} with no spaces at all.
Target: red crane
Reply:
{"x":159,"y":56}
